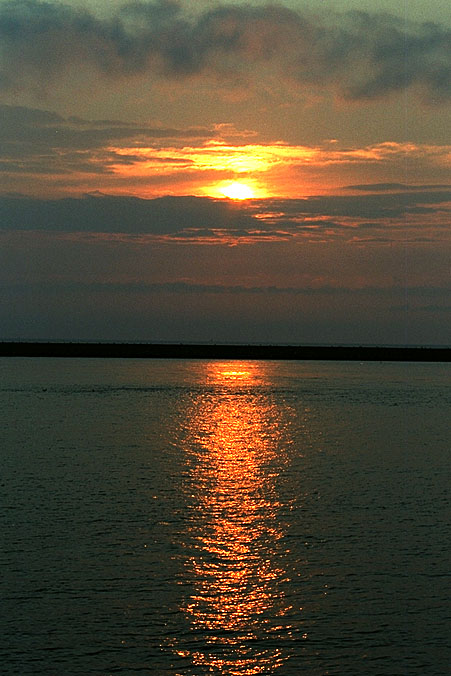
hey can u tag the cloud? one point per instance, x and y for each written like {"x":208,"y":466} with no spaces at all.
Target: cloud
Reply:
{"x":181,"y":287}
{"x":362,"y":56}
{"x":396,"y":187}
{"x":410,"y":216}
{"x":44,"y":153}
{"x":30,"y":129}
{"x":41,"y":142}
{"x":130,"y":215}
{"x":416,"y":217}
{"x":389,"y":205}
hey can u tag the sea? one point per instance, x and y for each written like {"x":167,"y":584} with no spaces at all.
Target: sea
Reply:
{"x":194,"y":517}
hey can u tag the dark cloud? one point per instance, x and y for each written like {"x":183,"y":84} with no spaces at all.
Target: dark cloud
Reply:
{"x":377,"y":205}
{"x":25,"y":130}
{"x":201,"y":219}
{"x":396,"y":187}
{"x":131,"y":215}
{"x":439,"y":292}
{"x":36,"y":141}
{"x":361,"y":55}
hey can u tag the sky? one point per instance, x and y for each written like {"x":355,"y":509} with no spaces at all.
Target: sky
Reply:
{"x":225,"y":172}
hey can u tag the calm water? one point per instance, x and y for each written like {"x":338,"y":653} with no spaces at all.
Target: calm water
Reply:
{"x":229,"y":518}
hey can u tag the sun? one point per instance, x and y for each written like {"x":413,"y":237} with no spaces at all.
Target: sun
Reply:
{"x":237,"y":191}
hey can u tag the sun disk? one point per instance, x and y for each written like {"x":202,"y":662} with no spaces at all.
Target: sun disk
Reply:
{"x":237,"y":191}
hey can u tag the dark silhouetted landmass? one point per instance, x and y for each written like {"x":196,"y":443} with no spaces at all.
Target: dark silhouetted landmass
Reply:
{"x":210,"y":351}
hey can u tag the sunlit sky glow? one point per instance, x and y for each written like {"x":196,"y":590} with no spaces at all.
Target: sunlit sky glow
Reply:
{"x":282,"y":174}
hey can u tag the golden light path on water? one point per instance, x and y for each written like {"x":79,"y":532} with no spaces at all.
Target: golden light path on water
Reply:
{"x":237,"y":609}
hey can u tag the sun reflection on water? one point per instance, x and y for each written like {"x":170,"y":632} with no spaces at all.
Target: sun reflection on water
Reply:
{"x":237,"y":610}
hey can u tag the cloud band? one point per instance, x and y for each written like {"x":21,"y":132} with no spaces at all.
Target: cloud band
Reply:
{"x":359,"y":55}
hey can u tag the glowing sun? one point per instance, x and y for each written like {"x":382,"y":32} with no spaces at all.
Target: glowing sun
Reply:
{"x":237,"y":191}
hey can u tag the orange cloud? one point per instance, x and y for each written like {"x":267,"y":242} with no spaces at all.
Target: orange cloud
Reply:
{"x":45,"y":154}
{"x":270,"y":169}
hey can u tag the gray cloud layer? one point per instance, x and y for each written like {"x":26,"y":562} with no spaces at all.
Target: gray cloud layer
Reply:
{"x":199,"y":219}
{"x":360,"y":55}
{"x":235,"y":289}
{"x":43,"y":142}
{"x":130,"y":215}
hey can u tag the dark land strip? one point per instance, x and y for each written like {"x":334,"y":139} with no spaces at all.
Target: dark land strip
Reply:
{"x":210,"y":351}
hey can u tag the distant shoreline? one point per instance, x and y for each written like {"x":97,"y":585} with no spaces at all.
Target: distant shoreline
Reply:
{"x":210,"y":351}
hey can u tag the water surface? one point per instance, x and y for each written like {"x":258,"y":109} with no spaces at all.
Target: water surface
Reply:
{"x":230,"y":518}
